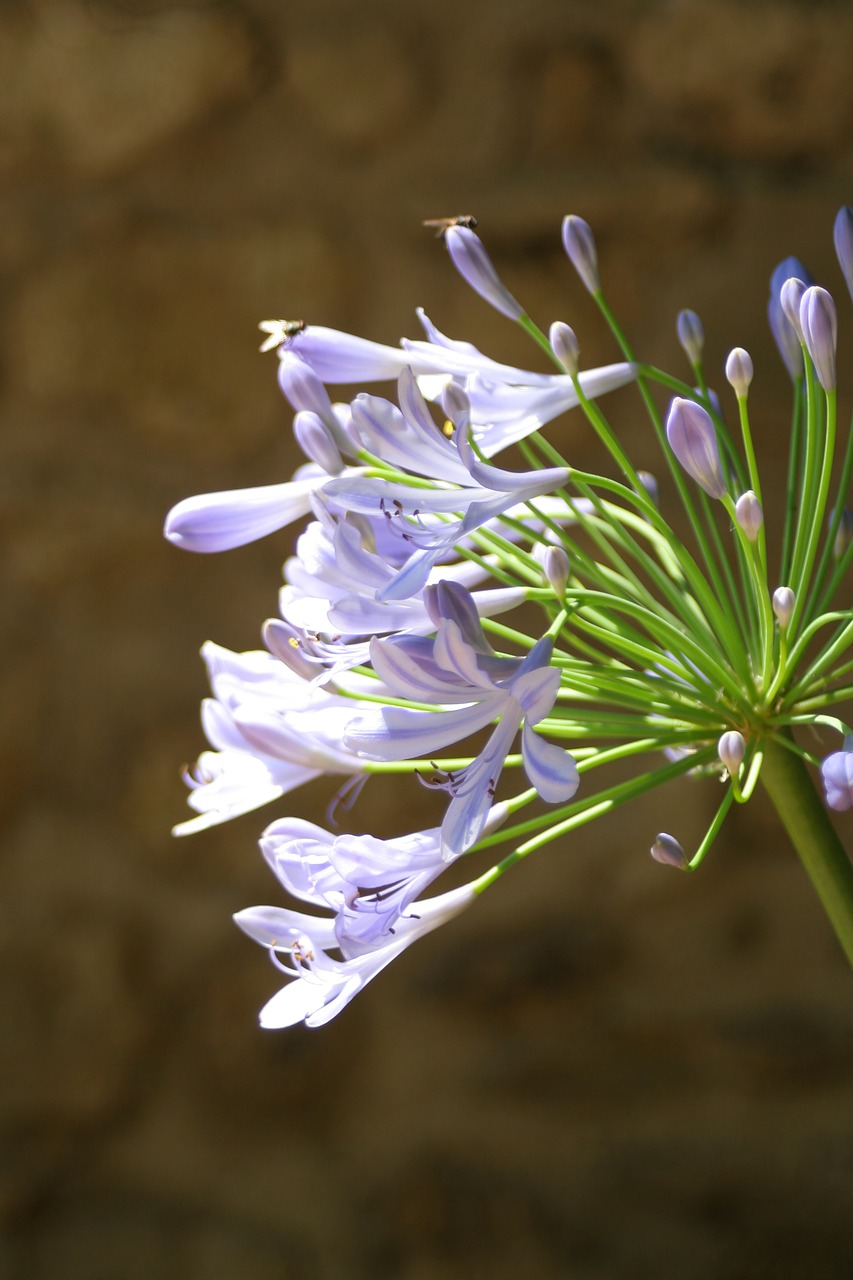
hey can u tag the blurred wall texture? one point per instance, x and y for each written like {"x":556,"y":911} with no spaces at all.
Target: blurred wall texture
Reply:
{"x":605,"y":1070}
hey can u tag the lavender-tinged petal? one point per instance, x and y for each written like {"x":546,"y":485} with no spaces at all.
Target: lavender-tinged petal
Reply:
{"x":466,"y":814}
{"x":413,"y":446}
{"x":551,"y":769}
{"x":364,"y":493}
{"x":453,"y":654}
{"x":842,"y":234}
{"x":790,"y":296}
{"x":786,"y":336}
{"x":213,"y":522}
{"x":837,"y":773}
{"x":279,"y":928}
{"x":509,"y":482}
{"x":439,"y":339}
{"x":398,"y":733}
{"x":476,"y":268}
{"x":451,"y":600}
{"x":338,"y":357}
{"x":536,"y":692}
{"x":407,"y":666}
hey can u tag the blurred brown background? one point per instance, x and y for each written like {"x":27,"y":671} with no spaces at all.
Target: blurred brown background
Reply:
{"x":605,"y":1070}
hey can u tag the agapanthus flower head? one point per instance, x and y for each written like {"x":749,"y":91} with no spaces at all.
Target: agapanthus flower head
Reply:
{"x":526,"y":648}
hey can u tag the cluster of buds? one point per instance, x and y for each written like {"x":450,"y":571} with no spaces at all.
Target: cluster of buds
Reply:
{"x":398,"y":640}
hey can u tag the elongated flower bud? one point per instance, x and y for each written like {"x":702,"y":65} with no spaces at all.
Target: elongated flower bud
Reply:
{"x":819,"y":324}
{"x":693,"y":440}
{"x":557,"y":568}
{"x":691,"y":335}
{"x":843,"y":534}
{"x":739,"y":371}
{"x":790,"y":296}
{"x":650,"y":484}
{"x":842,"y":234}
{"x":667,"y":850}
{"x":565,"y":346}
{"x":476,"y":267}
{"x":749,"y":514}
{"x":783,"y":605}
{"x":837,"y":774}
{"x":787,"y":339}
{"x":316,"y":442}
{"x":731,"y":749}
{"x":579,"y":243}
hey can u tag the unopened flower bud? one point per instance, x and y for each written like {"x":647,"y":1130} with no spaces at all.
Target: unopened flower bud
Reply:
{"x":476,"y":267}
{"x":783,"y":605}
{"x":731,"y":749}
{"x":843,"y":236}
{"x":837,"y":773}
{"x":693,"y":440}
{"x":579,"y":244}
{"x":565,"y":346}
{"x":691,"y":335}
{"x":819,"y":323}
{"x":557,"y":569}
{"x":316,"y":442}
{"x":790,"y":296}
{"x":787,"y":339}
{"x":843,"y":534}
{"x":667,"y":850}
{"x":739,"y":371}
{"x":650,"y":484}
{"x":749,"y":514}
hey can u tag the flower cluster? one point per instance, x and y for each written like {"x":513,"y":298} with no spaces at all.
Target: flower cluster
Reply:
{"x":398,"y":637}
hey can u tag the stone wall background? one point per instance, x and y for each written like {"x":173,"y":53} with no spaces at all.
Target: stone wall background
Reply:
{"x":604,"y":1070}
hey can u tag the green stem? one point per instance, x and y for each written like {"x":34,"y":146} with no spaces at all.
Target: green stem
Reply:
{"x":797,"y":803}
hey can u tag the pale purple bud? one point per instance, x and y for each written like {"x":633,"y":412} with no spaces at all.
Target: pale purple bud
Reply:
{"x":843,"y":534}
{"x":787,"y":339}
{"x":819,"y":324}
{"x":739,"y":371}
{"x":731,"y":749}
{"x":650,"y":484}
{"x":579,"y":244}
{"x":842,"y":234}
{"x":783,"y":602}
{"x":790,"y":296}
{"x":749,"y":514}
{"x":837,"y":773}
{"x":667,"y":850}
{"x":691,"y":335}
{"x":476,"y":268}
{"x":693,"y":440}
{"x":316,"y":442}
{"x":565,"y":346}
{"x":557,"y":569}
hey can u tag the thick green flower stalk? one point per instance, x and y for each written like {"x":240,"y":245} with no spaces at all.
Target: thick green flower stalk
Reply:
{"x":701,"y":655}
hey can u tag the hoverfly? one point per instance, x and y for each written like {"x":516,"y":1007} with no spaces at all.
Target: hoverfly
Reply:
{"x":278,"y":331}
{"x":444,"y":224}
